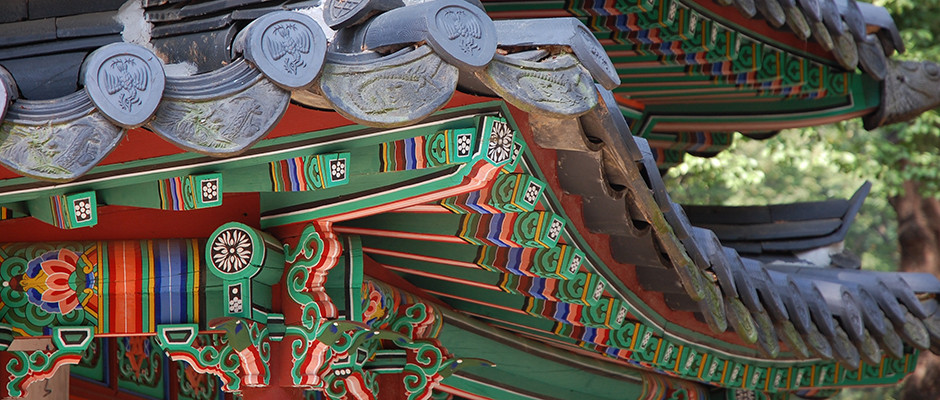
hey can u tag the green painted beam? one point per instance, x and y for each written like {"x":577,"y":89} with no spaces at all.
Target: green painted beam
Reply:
{"x":537,"y":369}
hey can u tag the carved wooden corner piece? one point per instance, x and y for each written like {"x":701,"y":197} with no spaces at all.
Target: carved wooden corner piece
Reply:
{"x":249,"y":340}
{"x":305,"y":301}
{"x":239,"y":357}
{"x":25,"y":368}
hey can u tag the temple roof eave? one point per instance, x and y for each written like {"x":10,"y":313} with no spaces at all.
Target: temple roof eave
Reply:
{"x":638,"y":240}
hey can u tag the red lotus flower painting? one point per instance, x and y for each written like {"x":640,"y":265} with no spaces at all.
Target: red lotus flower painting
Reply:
{"x":53,"y":282}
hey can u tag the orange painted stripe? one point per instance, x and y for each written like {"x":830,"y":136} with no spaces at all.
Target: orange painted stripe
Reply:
{"x":483,"y":303}
{"x":125,"y":310}
{"x":440,"y":277}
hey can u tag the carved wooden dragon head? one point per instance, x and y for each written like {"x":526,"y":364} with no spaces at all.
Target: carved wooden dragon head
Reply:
{"x":909,"y":89}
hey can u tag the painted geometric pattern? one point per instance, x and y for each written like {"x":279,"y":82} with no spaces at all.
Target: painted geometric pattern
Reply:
{"x":193,"y":385}
{"x":529,"y":229}
{"x":641,"y":346}
{"x":7,"y":213}
{"x":196,"y":386}
{"x":696,"y":142}
{"x":75,"y":210}
{"x":116,"y":286}
{"x":707,"y":60}
{"x":311,"y":172}
{"x":550,"y":295}
{"x":669,"y":148}
{"x":659,"y":387}
{"x":559,"y":262}
{"x":606,"y":326}
{"x":190,"y":192}
{"x":507,"y":193}
{"x":172,"y":194}
{"x":440,"y":148}
{"x":94,"y":362}
{"x":688,"y":39}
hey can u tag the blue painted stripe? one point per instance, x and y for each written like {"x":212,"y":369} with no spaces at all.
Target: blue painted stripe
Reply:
{"x":538,"y":286}
{"x":514,"y":260}
{"x":621,"y":23}
{"x":292,"y":172}
{"x":411,"y":161}
{"x":170,"y":268}
{"x":666,"y":48}
{"x":495,"y":228}
{"x":174,"y":197}
{"x":590,"y":334}
{"x":561,"y":312}
{"x":473,"y":198}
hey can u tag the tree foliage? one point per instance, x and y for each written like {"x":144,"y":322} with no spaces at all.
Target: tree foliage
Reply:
{"x":911,"y":151}
{"x":796,"y":166}
{"x":831,"y":161}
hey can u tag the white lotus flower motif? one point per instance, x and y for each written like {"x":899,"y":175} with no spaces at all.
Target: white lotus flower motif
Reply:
{"x":231,"y":250}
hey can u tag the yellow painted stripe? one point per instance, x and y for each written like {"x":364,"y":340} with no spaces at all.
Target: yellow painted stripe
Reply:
{"x":636,"y":330}
{"x":151,"y":283}
{"x":103,"y":321}
{"x":274,"y":176}
{"x":197,"y":258}
{"x":659,"y":346}
{"x":678,"y":358}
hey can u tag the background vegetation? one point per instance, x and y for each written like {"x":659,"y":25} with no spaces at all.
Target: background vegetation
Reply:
{"x":902,"y":161}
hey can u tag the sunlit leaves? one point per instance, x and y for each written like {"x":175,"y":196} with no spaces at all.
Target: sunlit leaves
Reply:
{"x":800,"y":165}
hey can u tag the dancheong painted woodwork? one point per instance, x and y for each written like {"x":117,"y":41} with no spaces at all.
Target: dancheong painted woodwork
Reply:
{"x":448,"y":199}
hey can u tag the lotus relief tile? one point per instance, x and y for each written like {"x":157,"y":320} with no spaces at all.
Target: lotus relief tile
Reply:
{"x":557,"y":86}
{"x":221,"y":113}
{"x":570,"y":32}
{"x":390,"y":91}
{"x":56,"y":140}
